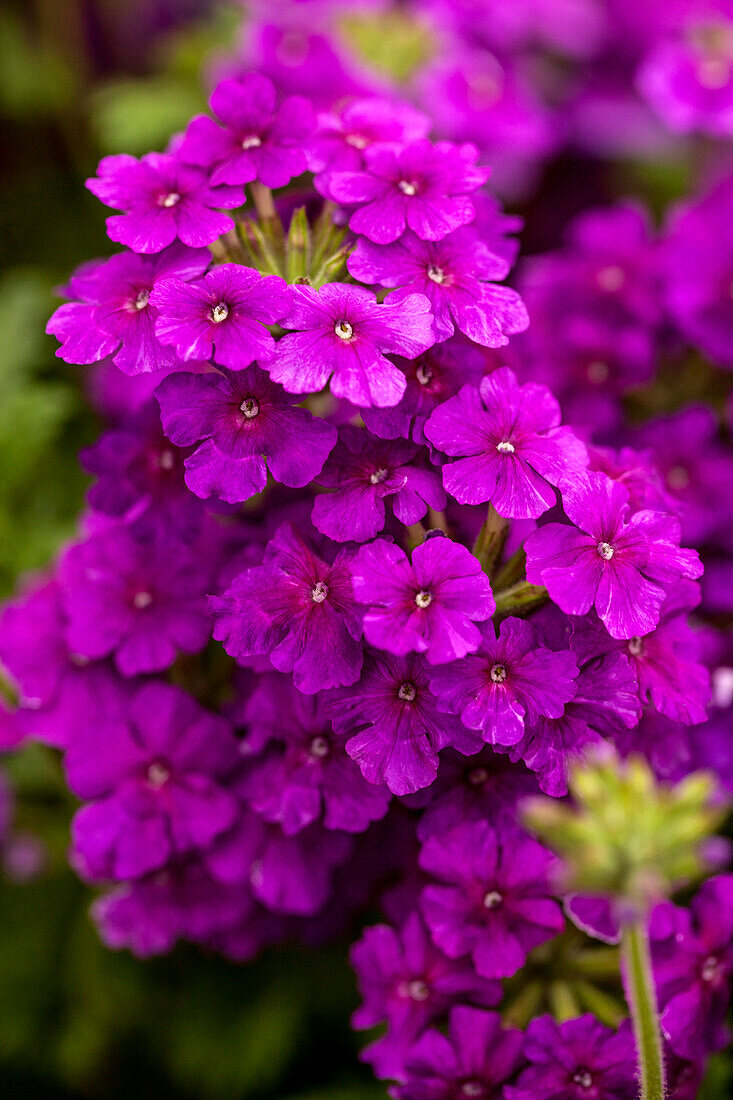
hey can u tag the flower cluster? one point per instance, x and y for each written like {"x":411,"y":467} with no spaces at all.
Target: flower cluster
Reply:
{"x":352,"y":581}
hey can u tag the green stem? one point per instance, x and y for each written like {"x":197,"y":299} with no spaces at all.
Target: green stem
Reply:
{"x":490,"y":541}
{"x":642,"y":999}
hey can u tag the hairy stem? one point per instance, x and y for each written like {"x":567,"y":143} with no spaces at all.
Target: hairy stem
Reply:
{"x":642,"y":999}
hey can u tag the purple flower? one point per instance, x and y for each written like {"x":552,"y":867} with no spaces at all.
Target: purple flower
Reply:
{"x":140,"y":476}
{"x":692,"y":956}
{"x":457,"y":275}
{"x":405,"y":980}
{"x":429,"y":380}
{"x":344,"y":133}
{"x":162,"y":200}
{"x":395,"y":728}
{"x":510,"y":681}
{"x":428,"y":605}
{"x":221,"y":316}
{"x":512,"y":450}
{"x":307,"y":776}
{"x":248,"y":425}
{"x":298,"y":610}
{"x":610,"y":559}
{"x":364,"y":472}
{"x":494,"y":901}
{"x":475,"y":1059}
{"x":258,"y":141}
{"x":697,"y":271}
{"x":687,"y":77}
{"x":135,"y":600}
{"x":112,"y":313}
{"x":342,"y":331}
{"x":424,"y":187}
{"x":155,"y":783}
{"x":664,"y":661}
{"x":578,"y":1059}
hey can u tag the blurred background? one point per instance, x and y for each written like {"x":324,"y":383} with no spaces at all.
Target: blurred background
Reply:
{"x":80,"y":79}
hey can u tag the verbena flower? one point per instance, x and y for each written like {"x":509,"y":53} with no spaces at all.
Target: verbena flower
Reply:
{"x":111,"y":312}
{"x":611,"y":560}
{"x":511,"y":680}
{"x":510,"y":447}
{"x":163,"y":200}
{"x":247,"y":426}
{"x":222,"y":316}
{"x":423,"y":186}
{"x":297,"y":609}
{"x":494,"y":900}
{"x":427,"y":605}
{"x":344,"y":132}
{"x":259,"y":140}
{"x":342,"y":334}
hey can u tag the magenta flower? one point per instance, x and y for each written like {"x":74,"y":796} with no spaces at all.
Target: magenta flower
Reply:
{"x":162,"y":200}
{"x":692,"y":957}
{"x":156,"y":783}
{"x":297,"y":609}
{"x":394,"y":724}
{"x":140,"y":477}
{"x":112,"y":313}
{"x":512,"y":451}
{"x":611,"y":559}
{"x":429,"y":381}
{"x":457,"y":274}
{"x":494,"y":901}
{"x":475,"y":1059}
{"x":258,"y":141}
{"x":576,"y":1060}
{"x":425,"y":187}
{"x":305,"y":775}
{"x":510,"y":681}
{"x":364,"y":472}
{"x":248,"y":425}
{"x":221,"y":316}
{"x":407,"y":981}
{"x":343,"y":333}
{"x":344,"y":133}
{"x":138,"y":601}
{"x":428,"y":605}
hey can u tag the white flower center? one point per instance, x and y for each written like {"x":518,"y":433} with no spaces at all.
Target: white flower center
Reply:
{"x":158,"y":774}
{"x":406,"y":692}
{"x":378,"y":476}
{"x":169,"y":200}
{"x":250,"y":408}
{"x":634,"y":646}
{"x":251,"y":142}
{"x":472,"y":1090}
{"x":424,"y":374}
{"x":344,"y":330}
{"x":141,"y":600}
{"x":597,"y":372}
{"x":436,"y":274}
{"x":678,"y":478}
{"x":166,"y":460}
{"x":141,"y":299}
{"x":583,"y":1078}
{"x":493,"y":899}
{"x":611,"y":278}
{"x":477,"y":777}
{"x":709,"y":968}
{"x":424,"y":598}
{"x":407,"y":187}
{"x":417,"y":990}
{"x":356,"y":141}
{"x":319,"y":592}
{"x":219,"y":313}
{"x":319,"y":747}
{"x":605,"y":550}
{"x":505,"y":447}
{"x":497,"y":674}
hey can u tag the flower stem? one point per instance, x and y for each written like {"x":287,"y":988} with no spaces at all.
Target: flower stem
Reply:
{"x":642,"y":999}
